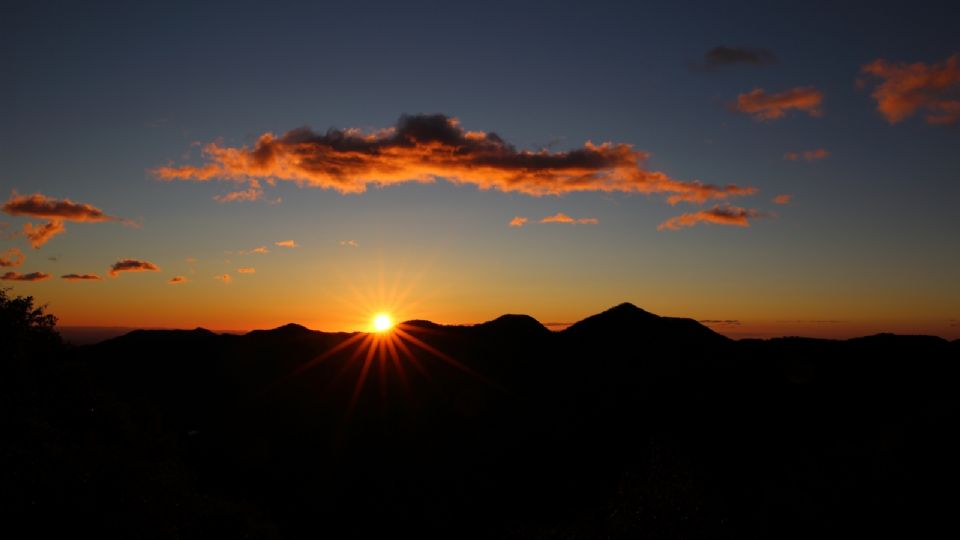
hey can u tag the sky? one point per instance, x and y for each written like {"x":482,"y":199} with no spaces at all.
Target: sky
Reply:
{"x":766,"y":168}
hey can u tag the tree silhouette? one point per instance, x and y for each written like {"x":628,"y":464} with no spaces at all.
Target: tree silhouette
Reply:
{"x":26,"y":330}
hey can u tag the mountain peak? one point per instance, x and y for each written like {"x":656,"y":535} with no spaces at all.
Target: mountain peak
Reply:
{"x":514,"y":323}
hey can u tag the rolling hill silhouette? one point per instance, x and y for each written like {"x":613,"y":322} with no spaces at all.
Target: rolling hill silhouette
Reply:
{"x":625,"y":424}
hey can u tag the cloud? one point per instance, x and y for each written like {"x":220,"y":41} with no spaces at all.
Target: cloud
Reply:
{"x":11,"y":258}
{"x":132,"y":265}
{"x":247,"y":270}
{"x":286,"y":243}
{"x":55,"y":211}
{"x":518,"y":222}
{"x":224,"y":278}
{"x":261,"y":250}
{"x":39,"y":235}
{"x":763,"y":106}
{"x":253,"y":193}
{"x":782,"y":199}
{"x":423,"y":148}
{"x":727,"y":322}
{"x":41,"y":206}
{"x":32,"y":276}
{"x":907,"y":88}
{"x":349,"y":243}
{"x":807,"y":155}
{"x":176,"y":280}
{"x":719,"y":214}
{"x":81,"y":277}
{"x":560,"y":217}
{"x":721,"y":55}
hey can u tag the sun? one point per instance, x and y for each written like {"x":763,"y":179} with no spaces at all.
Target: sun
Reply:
{"x":382,"y":322}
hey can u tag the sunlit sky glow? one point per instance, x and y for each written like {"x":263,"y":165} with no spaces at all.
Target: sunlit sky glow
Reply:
{"x":769,"y":170}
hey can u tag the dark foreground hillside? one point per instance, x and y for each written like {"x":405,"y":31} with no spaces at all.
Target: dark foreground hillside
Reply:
{"x":624,"y":425}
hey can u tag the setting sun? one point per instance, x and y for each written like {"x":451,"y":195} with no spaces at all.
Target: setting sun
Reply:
{"x":382,"y":322}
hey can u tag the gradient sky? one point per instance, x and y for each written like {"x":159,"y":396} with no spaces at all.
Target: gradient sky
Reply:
{"x":98,"y":98}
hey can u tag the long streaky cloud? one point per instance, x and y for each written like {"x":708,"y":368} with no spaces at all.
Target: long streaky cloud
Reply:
{"x":176,"y":280}
{"x":286,"y":243}
{"x":906,"y":88}
{"x":719,"y":214}
{"x":424,"y":148}
{"x":12,"y":258}
{"x":132,"y":265}
{"x":772,"y":106}
{"x":32,"y":276}
{"x":81,"y":277}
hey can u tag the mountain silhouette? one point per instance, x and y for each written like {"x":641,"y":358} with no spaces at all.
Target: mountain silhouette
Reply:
{"x":625,"y":424}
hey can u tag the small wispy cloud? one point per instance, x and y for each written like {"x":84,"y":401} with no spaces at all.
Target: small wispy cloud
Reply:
{"x":12,"y":258}
{"x":81,"y":277}
{"x":807,"y":155}
{"x":176,"y":280}
{"x":560,"y":217}
{"x":771,"y":106}
{"x":286,"y":244}
{"x":783,"y":199}
{"x":224,"y":278}
{"x":518,"y":222}
{"x":246,"y":270}
{"x":132,"y":265}
{"x":349,"y":243}
{"x":720,"y":215}
{"x":32,"y":276}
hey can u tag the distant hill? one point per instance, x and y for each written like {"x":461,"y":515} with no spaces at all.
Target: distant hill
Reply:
{"x":625,"y":424}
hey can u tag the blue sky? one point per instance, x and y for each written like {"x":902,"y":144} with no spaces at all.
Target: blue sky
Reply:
{"x":96,"y":95}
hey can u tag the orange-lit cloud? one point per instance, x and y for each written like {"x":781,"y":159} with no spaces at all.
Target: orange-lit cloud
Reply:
{"x":176,"y":280}
{"x":132,"y":265}
{"x":247,"y":270}
{"x":261,"y":250}
{"x":224,"y":278}
{"x":349,"y":243}
{"x":32,"y":276}
{"x":253,"y":193}
{"x":560,"y":217}
{"x":763,"y":106}
{"x":12,"y":258}
{"x":907,"y":88}
{"x":41,"y":206}
{"x":518,"y":222}
{"x":782,"y":199}
{"x":807,"y":155}
{"x":719,"y":214}
{"x":55,"y":211}
{"x":286,"y":243}
{"x":81,"y":277}
{"x":423,"y":148}
{"x":39,"y":235}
